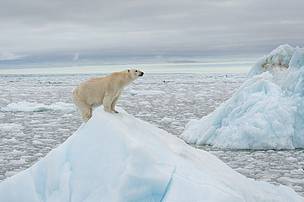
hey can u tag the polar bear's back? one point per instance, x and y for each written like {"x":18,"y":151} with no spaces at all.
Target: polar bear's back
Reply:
{"x":91,"y":91}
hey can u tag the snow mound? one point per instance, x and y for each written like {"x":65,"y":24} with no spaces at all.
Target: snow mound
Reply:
{"x":266,"y":112}
{"x":38,"y":107}
{"x":116,"y":157}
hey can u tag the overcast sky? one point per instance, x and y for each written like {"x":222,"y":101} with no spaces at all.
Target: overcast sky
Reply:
{"x":148,"y":27}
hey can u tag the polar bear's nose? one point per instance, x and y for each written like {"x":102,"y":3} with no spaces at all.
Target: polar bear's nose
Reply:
{"x":141,"y":74}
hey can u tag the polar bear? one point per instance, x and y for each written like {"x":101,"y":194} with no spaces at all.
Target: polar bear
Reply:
{"x":102,"y":91}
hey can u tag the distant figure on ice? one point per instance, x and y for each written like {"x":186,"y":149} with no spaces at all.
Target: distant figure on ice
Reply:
{"x":102,"y":91}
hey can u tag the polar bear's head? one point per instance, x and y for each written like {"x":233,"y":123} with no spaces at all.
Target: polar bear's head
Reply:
{"x":134,"y":73}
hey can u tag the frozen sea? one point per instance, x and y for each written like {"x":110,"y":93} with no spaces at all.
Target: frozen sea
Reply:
{"x":36,"y":115}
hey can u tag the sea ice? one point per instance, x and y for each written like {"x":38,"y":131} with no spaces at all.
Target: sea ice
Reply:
{"x":145,"y":92}
{"x":126,"y":159}
{"x":266,"y":112}
{"x":25,"y":106}
{"x":10,"y":127}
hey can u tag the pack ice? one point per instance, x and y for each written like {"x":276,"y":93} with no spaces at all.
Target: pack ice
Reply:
{"x":116,"y":157}
{"x":266,"y":112}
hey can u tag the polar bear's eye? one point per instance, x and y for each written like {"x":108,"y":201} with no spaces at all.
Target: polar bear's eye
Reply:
{"x":135,"y":70}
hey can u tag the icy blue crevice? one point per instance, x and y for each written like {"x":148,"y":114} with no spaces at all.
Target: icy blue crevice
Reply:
{"x":168,"y":185}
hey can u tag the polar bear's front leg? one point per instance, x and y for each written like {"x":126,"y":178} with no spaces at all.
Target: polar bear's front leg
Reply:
{"x":107,"y":103}
{"x":114,"y":103}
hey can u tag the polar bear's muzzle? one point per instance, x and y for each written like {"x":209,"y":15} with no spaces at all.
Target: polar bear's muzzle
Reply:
{"x":141,"y":74}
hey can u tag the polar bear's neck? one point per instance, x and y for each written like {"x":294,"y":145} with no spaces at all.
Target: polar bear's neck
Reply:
{"x":126,"y":80}
{"x":122,"y":79}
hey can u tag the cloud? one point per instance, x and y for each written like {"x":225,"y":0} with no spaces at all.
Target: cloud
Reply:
{"x":141,"y":27}
{"x":76,"y":57}
{"x":5,"y":56}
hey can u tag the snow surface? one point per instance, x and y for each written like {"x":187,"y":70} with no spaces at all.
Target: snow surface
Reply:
{"x":266,"y":112}
{"x":115,"y":162}
{"x":25,"y":106}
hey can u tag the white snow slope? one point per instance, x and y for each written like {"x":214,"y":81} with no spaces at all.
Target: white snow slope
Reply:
{"x":116,"y":157}
{"x":266,"y":112}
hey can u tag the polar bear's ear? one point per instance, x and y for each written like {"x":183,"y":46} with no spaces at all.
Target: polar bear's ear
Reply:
{"x":128,"y":70}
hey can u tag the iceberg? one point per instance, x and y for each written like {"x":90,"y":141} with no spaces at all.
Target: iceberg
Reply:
{"x":266,"y":112}
{"x":116,"y":157}
{"x":278,"y":59}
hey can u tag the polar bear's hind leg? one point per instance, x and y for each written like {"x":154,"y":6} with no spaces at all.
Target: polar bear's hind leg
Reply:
{"x":85,"y":109}
{"x":86,"y":113}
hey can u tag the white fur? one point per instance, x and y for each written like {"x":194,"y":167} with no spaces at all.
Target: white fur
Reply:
{"x":102,"y":91}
